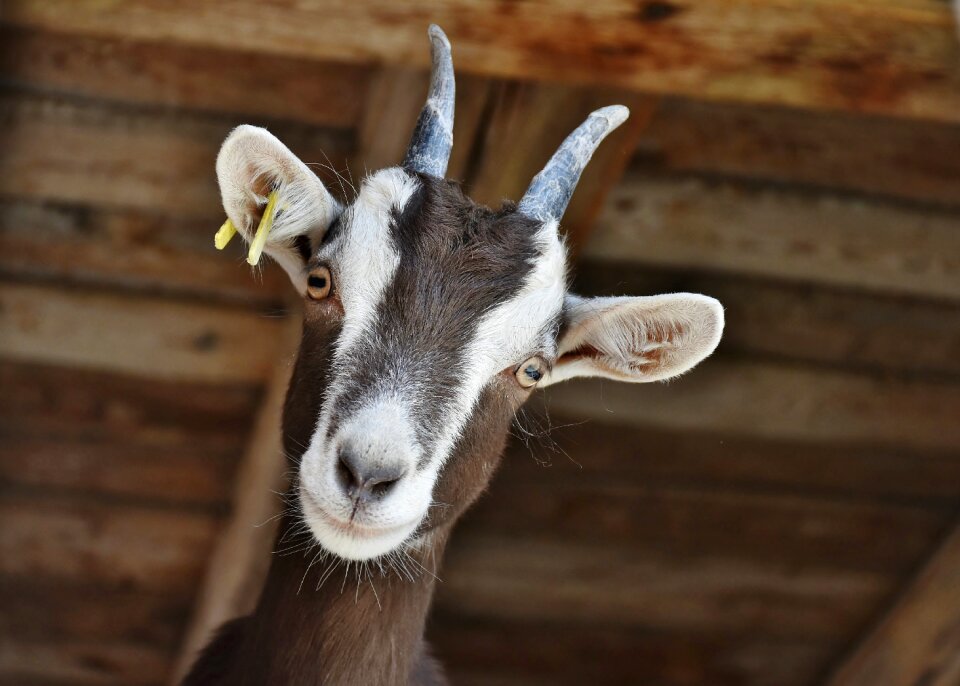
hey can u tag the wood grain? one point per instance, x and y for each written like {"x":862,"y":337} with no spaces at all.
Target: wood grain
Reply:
{"x":803,"y":322}
{"x":240,"y":81}
{"x":74,"y":540}
{"x":145,"y":337}
{"x":888,"y":57}
{"x":69,"y":150}
{"x":824,"y":151}
{"x":781,"y":233}
{"x":918,"y":641}
{"x":128,"y":250}
{"x":778,"y":401}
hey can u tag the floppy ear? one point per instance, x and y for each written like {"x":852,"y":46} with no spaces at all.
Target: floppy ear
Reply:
{"x":253,"y":163}
{"x":636,"y":339}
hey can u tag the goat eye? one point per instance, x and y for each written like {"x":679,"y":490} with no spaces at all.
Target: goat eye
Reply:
{"x":319,"y":283}
{"x":530,"y":372}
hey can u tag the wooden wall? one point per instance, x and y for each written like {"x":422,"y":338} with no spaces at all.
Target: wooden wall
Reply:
{"x":746,"y":525}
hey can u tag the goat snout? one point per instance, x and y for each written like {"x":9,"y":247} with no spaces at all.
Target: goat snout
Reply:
{"x":362,"y":480}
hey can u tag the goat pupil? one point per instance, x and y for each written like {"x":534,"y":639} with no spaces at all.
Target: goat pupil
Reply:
{"x":532,"y":372}
{"x":317,"y":282}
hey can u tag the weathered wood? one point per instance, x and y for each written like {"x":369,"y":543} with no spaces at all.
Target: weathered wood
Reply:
{"x":76,"y":405}
{"x":542,"y":654}
{"x":873,"y":155}
{"x":91,"y":663}
{"x":172,"y":75}
{"x":185,"y":475}
{"x":76,"y":151}
{"x":527,"y":124}
{"x":79,"y":541}
{"x":918,"y":641}
{"x":800,"y":322}
{"x":239,"y":562}
{"x":146,"y":337}
{"x":778,"y":401}
{"x":519,"y":578}
{"x":130,"y":250}
{"x":37,"y":609}
{"x":564,"y":448}
{"x":819,"y":238}
{"x":689,"y":521}
{"x":888,"y":57}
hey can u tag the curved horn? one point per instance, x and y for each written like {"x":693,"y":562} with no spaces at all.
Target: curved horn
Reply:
{"x":432,"y":140}
{"x":550,"y":190}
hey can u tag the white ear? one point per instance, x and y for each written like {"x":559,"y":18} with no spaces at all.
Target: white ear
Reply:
{"x":252,"y":163}
{"x":636,"y":339}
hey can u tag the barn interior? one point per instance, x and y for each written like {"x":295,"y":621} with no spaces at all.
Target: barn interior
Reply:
{"x":784,"y":515}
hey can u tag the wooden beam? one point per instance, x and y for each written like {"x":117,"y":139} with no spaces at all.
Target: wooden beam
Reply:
{"x":783,"y":233}
{"x":122,"y":663}
{"x":139,"y":336}
{"x":239,"y":562}
{"x":73,"y":540}
{"x":74,"y":404}
{"x":176,"y":75}
{"x":918,"y":641}
{"x":520,"y":578}
{"x":551,"y":653}
{"x":795,"y":322}
{"x":90,"y":153}
{"x":526,"y":125}
{"x":134,"y":251}
{"x":887,"y":57}
{"x":783,"y":401}
{"x":872,"y":155}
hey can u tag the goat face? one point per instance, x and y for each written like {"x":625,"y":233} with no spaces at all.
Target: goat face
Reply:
{"x":428,"y":322}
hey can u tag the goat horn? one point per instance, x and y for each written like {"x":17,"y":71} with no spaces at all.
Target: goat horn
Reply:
{"x":432,"y":140}
{"x":550,"y":191}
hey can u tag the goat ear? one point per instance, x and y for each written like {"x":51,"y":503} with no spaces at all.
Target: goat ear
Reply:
{"x":636,"y":339}
{"x":252,"y":163}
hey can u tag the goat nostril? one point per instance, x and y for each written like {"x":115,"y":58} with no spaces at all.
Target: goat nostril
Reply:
{"x":346,"y":474}
{"x":382,"y":487}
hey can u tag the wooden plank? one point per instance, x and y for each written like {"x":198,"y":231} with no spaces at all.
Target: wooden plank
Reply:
{"x":130,"y":250}
{"x":527,"y":124}
{"x":86,"y":663}
{"x":778,"y":401}
{"x":76,"y":405}
{"x":564,"y":448}
{"x":918,"y":641}
{"x":541,"y":653}
{"x":37,"y":609}
{"x":873,"y":155}
{"x":178,"y":476}
{"x":682,"y":522}
{"x":239,"y":563}
{"x":796,"y":322}
{"x":145,"y":337}
{"x":91,"y":153}
{"x":518,"y":578}
{"x":781,"y":233}
{"x":888,"y":57}
{"x":79,"y":541}
{"x":171,"y":75}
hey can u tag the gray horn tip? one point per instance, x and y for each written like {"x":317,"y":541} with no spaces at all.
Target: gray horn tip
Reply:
{"x":437,"y":36}
{"x":614,"y":114}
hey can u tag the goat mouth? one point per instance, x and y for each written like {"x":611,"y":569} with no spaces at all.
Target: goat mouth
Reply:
{"x":351,"y":528}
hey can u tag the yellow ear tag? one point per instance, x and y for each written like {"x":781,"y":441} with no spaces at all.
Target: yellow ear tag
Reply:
{"x":223,"y":236}
{"x":266,"y":223}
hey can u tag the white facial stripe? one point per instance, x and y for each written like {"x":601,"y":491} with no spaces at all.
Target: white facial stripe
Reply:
{"x":366,"y":262}
{"x":509,"y":333}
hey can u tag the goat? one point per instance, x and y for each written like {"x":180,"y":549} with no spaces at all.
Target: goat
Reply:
{"x":429,"y":320}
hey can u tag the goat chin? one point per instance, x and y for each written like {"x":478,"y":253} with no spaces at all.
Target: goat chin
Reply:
{"x":356,"y":543}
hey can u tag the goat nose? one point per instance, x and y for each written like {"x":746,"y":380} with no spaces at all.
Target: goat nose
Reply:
{"x":362,"y":481}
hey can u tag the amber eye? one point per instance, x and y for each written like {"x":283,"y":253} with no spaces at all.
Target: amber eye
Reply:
{"x":530,"y":372}
{"x":319,"y":283}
